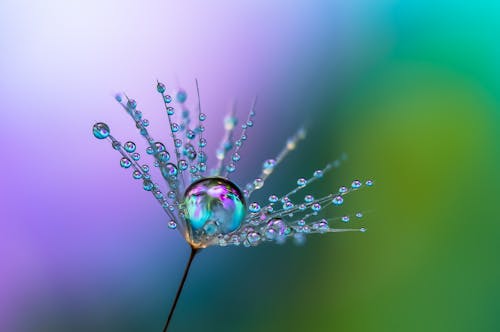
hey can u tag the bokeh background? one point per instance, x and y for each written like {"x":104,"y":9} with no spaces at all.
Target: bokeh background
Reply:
{"x":408,"y":89}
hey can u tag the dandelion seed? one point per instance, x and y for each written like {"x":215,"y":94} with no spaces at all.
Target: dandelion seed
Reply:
{"x":211,"y":210}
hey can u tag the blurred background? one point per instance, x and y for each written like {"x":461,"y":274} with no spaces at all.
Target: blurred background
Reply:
{"x":408,"y":89}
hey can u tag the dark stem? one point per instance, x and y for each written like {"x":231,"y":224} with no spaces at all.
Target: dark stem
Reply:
{"x":181,"y":286}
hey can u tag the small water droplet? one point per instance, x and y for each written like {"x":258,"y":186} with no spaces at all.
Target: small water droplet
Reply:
{"x":316,"y":207}
{"x":160,"y":87}
{"x":181,"y":96}
{"x":273,"y":199}
{"x":356,"y":184}
{"x":136,"y":156}
{"x":183,"y":164}
{"x":172,"y":224}
{"x":253,"y":238}
{"x":129,"y":146}
{"x":167,"y":99}
{"x":345,"y":219}
{"x":131,"y":103}
{"x":338,"y":200}
{"x":125,"y":162}
{"x":254,"y":207}
{"x":318,"y":174}
{"x":100,"y":130}
{"x":258,"y":183}
{"x":301,"y":182}
{"x":231,"y":167}
{"x":268,"y":166}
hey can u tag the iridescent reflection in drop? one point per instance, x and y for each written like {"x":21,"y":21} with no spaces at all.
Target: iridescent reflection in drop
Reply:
{"x":213,"y":206}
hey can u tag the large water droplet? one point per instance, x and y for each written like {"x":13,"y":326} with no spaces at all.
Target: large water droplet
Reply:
{"x":213,"y":206}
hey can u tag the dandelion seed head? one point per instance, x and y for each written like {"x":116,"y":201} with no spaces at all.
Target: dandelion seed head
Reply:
{"x":205,"y":205}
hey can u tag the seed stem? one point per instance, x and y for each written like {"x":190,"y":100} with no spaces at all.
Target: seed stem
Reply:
{"x":194,"y":251}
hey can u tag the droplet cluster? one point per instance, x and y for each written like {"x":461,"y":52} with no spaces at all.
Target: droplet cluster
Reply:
{"x":205,"y":205}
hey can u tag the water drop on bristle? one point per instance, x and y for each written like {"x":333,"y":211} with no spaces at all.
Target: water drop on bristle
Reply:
{"x":318,"y":174}
{"x":181,"y":96}
{"x":316,"y":207}
{"x":359,"y":215}
{"x":100,"y":130}
{"x":369,"y":183}
{"x":132,"y":104}
{"x":213,"y":206}
{"x":356,"y":184}
{"x":125,"y":162}
{"x":309,"y":199}
{"x":254,"y":207}
{"x":169,"y":170}
{"x":253,"y":238}
{"x":167,"y":99}
{"x":129,"y":146}
{"x":301,"y":182}
{"x":160,"y":87}
{"x":345,"y":219}
{"x":172,"y":224}
{"x":273,"y":199}
{"x":258,"y":183}
{"x":343,"y":190}
{"x":338,"y":200}
{"x":268,"y":166}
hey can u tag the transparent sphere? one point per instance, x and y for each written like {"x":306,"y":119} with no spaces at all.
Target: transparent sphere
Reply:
{"x":213,"y":206}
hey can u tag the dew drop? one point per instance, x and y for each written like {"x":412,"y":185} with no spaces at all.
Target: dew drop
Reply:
{"x":254,"y":207}
{"x":172,"y":224}
{"x":137,"y":175}
{"x":316,"y":207}
{"x":345,"y":218}
{"x":167,"y":99}
{"x":369,"y":183}
{"x":169,"y":170}
{"x":160,"y":87}
{"x":125,"y":162}
{"x":301,"y":182}
{"x":338,"y":200}
{"x":129,"y":146}
{"x":253,"y":238}
{"x":100,"y":130}
{"x":136,"y":156}
{"x":236,"y":157}
{"x":273,"y":199}
{"x":268,"y":166}
{"x":231,"y":167}
{"x":309,"y":199}
{"x":181,"y":96}
{"x":356,"y":184}
{"x":258,"y":183}
{"x":318,"y":174}
{"x":148,"y":185}
{"x":132,"y":104}
{"x":183,"y":165}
